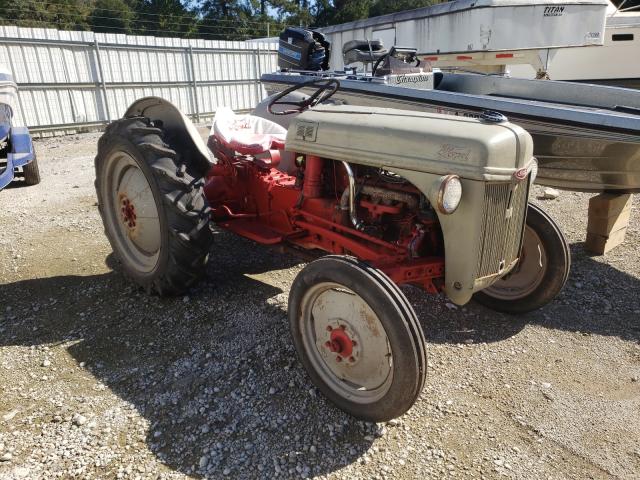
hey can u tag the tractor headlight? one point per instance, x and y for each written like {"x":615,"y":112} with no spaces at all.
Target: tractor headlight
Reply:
{"x":449,"y":194}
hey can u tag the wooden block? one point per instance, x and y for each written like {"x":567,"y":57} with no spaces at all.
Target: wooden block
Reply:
{"x":605,"y":226}
{"x":609,"y":215}
{"x":609,"y":204}
{"x":600,"y":244}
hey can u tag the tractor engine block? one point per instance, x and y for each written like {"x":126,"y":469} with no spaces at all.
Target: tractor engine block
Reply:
{"x":389,"y":224}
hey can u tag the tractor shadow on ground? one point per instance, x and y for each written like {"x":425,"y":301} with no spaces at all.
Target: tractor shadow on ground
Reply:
{"x":215,"y":373}
{"x":598,"y":299}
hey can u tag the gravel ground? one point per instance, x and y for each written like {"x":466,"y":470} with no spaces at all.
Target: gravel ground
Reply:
{"x":99,"y":380}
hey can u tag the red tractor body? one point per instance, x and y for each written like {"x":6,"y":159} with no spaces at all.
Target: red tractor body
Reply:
{"x":252,"y":198}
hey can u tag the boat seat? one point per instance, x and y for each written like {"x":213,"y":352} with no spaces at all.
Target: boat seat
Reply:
{"x":247,"y":134}
{"x":363,"y":51}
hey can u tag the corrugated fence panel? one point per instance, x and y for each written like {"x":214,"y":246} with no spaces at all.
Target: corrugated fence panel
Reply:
{"x":70,"y":80}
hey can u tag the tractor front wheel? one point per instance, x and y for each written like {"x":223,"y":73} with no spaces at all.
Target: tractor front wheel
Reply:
{"x":541,"y":273}
{"x":358,"y":337}
{"x":153,"y":209}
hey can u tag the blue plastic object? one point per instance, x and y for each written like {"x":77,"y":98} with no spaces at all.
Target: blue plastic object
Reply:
{"x":20,"y":155}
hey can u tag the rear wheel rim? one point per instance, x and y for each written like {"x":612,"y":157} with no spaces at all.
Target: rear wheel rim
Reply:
{"x":133,"y":216}
{"x":346,"y":343}
{"x":528,"y":274}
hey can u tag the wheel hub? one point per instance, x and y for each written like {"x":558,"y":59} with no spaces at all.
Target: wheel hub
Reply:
{"x":132,"y":215}
{"x":346,"y":341}
{"x":342,"y":344}
{"x":128,"y":212}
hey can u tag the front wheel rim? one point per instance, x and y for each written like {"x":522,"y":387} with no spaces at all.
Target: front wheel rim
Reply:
{"x":346,"y":343}
{"x":132,"y":216}
{"x":529,"y":272}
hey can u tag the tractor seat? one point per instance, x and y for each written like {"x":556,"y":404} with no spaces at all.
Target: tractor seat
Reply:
{"x":247,"y":134}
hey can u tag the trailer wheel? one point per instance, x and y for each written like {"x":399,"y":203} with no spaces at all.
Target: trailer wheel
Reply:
{"x":358,"y":337}
{"x":155,"y":214}
{"x":31,"y":172}
{"x":542,"y":271}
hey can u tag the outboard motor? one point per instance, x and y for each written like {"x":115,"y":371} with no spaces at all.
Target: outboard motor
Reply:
{"x":302,"y":49}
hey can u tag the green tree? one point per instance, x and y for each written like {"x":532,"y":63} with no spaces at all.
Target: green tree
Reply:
{"x":341,"y":11}
{"x":112,"y":16}
{"x":382,"y":7}
{"x":60,"y":14}
{"x":233,"y":20}
{"x":328,"y":12}
{"x":164,"y":18}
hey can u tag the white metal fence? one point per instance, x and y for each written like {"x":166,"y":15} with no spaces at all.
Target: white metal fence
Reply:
{"x":73,"y":80}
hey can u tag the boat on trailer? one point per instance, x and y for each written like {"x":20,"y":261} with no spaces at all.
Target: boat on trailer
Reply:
{"x":586,"y":137}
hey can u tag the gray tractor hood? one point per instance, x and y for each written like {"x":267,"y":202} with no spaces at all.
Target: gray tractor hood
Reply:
{"x":416,"y":141}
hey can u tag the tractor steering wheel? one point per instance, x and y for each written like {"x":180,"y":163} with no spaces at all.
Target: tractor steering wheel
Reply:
{"x":325,"y":90}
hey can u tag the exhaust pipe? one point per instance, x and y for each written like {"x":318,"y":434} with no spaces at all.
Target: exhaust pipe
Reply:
{"x":348,"y":200}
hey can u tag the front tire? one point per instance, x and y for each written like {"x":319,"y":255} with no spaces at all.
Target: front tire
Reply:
{"x":153,"y":209}
{"x":357,"y":337}
{"x":541,"y":274}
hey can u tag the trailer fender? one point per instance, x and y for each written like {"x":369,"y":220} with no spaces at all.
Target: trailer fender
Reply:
{"x":184,"y":135}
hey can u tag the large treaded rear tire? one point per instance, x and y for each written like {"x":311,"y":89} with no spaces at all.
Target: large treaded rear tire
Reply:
{"x":182,"y":209}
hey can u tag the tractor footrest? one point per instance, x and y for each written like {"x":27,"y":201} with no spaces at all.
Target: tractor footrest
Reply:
{"x":253,"y":230}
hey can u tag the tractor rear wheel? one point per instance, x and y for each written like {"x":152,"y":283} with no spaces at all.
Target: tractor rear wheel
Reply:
{"x":31,"y":172}
{"x":155,"y":214}
{"x":358,"y":337}
{"x":541,"y":273}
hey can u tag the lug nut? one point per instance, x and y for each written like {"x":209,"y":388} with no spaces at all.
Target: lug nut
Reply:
{"x":351,"y":359}
{"x":343,"y":327}
{"x":338,"y":359}
{"x":327,"y":344}
{"x":329,"y":328}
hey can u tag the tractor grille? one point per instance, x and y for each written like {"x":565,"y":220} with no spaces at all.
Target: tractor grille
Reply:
{"x":501,"y":233}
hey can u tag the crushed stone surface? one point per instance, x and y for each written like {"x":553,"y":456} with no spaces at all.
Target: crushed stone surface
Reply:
{"x":100,"y":380}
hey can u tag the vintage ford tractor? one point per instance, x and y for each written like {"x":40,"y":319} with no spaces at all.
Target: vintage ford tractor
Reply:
{"x":393,"y":197}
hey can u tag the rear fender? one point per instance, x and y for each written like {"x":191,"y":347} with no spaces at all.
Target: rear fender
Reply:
{"x":176,"y":124}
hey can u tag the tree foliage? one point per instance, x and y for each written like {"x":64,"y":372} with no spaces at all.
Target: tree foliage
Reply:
{"x":61,"y":14}
{"x":211,"y":19}
{"x":102,"y":18}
